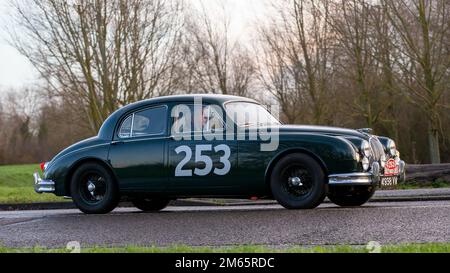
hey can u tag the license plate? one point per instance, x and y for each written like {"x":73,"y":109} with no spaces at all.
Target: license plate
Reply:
{"x":389,"y":182}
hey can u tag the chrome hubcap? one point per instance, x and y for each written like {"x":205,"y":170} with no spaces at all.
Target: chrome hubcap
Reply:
{"x":295,"y":181}
{"x":298,"y":181}
{"x":91,"y":188}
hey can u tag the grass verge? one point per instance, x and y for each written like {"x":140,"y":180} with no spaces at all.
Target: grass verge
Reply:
{"x":16,"y":185}
{"x":402,"y":248}
{"x":412,"y":185}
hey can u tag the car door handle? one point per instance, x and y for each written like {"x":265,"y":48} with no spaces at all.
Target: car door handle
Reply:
{"x":114,"y":143}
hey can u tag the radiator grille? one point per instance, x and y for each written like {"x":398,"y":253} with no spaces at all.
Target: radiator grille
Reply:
{"x":377,"y":148}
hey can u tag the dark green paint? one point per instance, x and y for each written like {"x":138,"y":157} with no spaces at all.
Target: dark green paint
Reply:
{"x":147,"y":165}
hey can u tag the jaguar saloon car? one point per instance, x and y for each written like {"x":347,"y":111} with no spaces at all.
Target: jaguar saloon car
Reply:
{"x":162,"y":149}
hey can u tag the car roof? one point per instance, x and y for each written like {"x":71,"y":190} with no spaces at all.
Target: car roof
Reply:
{"x":109,"y":125}
{"x":183,"y":98}
{"x":206,"y":98}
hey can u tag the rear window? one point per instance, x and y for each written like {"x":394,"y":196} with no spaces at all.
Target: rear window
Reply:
{"x":148,"y":122}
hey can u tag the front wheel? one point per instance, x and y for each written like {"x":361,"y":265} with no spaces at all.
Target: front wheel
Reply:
{"x":298,"y":182}
{"x":151,"y":204}
{"x":351,"y":196}
{"x":93,"y":189}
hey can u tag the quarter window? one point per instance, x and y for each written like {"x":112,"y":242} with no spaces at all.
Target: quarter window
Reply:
{"x":144,"y":123}
{"x":125,"y":129}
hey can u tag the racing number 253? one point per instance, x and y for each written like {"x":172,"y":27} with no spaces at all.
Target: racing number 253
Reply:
{"x":200,"y":157}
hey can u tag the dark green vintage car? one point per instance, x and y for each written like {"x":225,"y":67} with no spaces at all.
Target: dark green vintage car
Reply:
{"x":157,"y":150}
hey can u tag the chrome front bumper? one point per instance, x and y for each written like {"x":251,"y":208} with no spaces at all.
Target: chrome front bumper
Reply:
{"x":43,"y":186}
{"x":366,"y":178}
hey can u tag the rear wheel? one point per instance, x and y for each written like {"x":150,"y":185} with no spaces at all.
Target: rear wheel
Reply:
{"x":298,"y":182}
{"x":351,"y":196}
{"x":151,"y":204}
{"x":93,"y":189}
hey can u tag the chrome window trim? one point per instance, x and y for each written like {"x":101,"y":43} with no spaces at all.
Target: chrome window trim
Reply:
{"x":377,"y":148}
{"x":131,"y":140}
{"x":132,"y":125}
{"x":127,"y":135}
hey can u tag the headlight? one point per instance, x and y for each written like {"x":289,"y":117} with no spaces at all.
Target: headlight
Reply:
{"x":392,"y":148}
{"x":365,"y":148}
{"x":365,"y":164}
{"x":357,"y":157}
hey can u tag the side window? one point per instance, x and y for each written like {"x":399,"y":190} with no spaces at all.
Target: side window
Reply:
{"x":125,"y":129}
{"x":151,"y":121}
{"x":210,"y":118}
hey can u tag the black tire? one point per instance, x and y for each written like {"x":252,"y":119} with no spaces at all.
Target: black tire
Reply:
{"x":351,"y":196}
{"x":151,"y":204}
{"x":312,"y":190}
{"x":105,"y":194}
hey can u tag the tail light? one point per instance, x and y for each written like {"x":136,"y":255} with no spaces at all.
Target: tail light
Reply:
{"x":43,"y":165}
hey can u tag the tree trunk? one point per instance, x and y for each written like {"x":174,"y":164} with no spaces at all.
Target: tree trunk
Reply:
{"x":427,"y":173}
{"x":433,"y":142}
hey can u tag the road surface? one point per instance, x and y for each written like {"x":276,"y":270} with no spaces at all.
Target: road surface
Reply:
{"x":387,"y":223}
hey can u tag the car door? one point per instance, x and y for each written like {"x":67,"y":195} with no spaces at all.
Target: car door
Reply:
{"x":137,"y":153}
{"x":252,"y":163}
{"x":199,"y":164}
{"x":253,"y":137}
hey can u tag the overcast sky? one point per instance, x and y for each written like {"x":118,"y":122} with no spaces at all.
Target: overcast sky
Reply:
{"x":17,"y":72}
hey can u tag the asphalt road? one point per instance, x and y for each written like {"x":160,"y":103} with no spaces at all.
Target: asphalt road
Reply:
{"x":387,"y":223}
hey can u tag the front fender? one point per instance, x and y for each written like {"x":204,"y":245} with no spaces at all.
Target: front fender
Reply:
{"x":60,"y":169}
{"x":336,"y":154}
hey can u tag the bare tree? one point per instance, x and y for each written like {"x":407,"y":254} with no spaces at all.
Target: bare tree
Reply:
{"x":314,"y":40}
{"x":17,"y":126}
{"x":2,"y":125}
{"x":99,"y":54}
{"x":298,"y":50}
{"x":385,"y":52}
{"x":354,"y":29}
{"x":34,"y":129}
{"x":276,"y":74}
{"x":422,"y":27}
{"x":214,"y":62}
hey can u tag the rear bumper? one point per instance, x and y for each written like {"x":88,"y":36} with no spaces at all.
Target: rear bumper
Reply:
{"x":371,"y":178}
{"x":43,"y":186}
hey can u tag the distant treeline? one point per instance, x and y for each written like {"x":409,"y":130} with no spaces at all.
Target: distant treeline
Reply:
{"x":351,"y":63}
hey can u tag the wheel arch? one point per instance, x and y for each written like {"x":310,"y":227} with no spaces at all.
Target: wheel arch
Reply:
{"x":80,"y":162}
{"x":286,"y":152}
